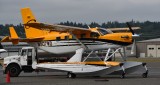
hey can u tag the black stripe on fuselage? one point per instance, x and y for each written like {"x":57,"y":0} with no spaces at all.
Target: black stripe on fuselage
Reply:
{"x":108,"y":41}
{"x":93,"y":41}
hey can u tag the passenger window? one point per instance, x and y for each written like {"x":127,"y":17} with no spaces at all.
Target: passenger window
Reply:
{"x":83,"y":35}
{"x":66,"y":37}
{"x":58,"y":38}
{"x":93,"y":35}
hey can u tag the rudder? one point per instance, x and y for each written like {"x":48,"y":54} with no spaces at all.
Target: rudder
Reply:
{"x":28,"y":17}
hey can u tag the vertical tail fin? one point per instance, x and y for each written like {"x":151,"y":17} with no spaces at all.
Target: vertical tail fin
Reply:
{"x":78,"y":56}
{"x":13,"y":35}
{"x":28,"y":17}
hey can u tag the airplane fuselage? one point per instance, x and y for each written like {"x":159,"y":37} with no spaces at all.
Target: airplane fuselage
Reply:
{"x":68,"y":46}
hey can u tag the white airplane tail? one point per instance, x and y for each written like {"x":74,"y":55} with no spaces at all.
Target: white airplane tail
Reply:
{"x":78,"y":56}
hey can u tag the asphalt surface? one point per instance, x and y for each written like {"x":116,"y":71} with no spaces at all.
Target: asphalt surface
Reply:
{"x":58,"y":78}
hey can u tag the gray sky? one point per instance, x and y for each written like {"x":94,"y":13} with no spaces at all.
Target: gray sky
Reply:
{"x":83,"y":11}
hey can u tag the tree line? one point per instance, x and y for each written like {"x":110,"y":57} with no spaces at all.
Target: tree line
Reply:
{"x":148,"y":28}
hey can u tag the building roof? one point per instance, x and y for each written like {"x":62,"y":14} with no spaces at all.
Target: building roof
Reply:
{"x":151,"y":40}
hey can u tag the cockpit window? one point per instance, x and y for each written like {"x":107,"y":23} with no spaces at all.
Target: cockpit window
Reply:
{"x":104,"y":31}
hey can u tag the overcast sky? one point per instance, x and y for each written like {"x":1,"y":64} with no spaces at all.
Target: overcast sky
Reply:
{"x":83,"y":11}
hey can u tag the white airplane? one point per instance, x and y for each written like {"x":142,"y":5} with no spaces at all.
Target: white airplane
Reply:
{"x":59,"y":39}
{"x":86,"y":67}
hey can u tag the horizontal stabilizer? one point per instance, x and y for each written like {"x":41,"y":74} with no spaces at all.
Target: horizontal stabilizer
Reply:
{"x":6,"y":39}
{"x":9,"y":39}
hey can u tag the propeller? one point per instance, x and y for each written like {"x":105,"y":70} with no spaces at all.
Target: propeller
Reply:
{"x":130,"y":28}
{"x":133,"y":47}
{"x":133,"y":37}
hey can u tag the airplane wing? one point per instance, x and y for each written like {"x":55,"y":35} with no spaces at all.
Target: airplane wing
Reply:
{"x":122,"y":29}
{"x":59,"y":28}
{"x":74,"y":30}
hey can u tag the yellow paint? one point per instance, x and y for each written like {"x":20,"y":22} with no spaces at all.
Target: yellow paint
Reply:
{"x":28,"y":17}
{"x":95,"y":30}
{"x":103,"y":63}
{"x":38,"y":35}
{"x":6,"y":39}
{"x":108,"y":63}
{"x":118,"y":37}
{"x":14,"y":36}
{"x":31,"y":32}
{"x":113,"y":63}
{"x":13,"y":33}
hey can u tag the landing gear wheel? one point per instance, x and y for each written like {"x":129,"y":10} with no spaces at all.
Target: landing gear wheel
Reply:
{"x":123,"y":75}
{"x":145,"y":75}
{"x":14,"y":70}
{"x":71,"y":75}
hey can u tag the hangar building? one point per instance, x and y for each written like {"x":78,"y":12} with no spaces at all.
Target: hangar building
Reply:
{"x":148,"y":48}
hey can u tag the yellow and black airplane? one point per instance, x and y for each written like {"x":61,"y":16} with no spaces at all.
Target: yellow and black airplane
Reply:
{"x":60,"y":39}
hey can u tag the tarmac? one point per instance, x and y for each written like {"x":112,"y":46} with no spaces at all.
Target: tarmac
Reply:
{"x":58,"y":78}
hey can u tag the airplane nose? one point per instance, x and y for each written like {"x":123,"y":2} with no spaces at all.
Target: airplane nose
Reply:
{"x":134,"y":35}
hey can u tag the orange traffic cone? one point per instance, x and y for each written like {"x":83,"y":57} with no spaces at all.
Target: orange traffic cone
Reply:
{"x":8,"y":77}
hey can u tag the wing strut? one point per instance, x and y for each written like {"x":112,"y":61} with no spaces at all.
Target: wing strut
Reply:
{"x":84,"y":46}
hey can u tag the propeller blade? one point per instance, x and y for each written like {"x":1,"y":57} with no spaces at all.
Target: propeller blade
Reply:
{"x":133,"y":47}
{"x":129,"y":26}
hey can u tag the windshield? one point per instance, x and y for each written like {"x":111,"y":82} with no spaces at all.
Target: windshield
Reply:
{"x":104,"y":31}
